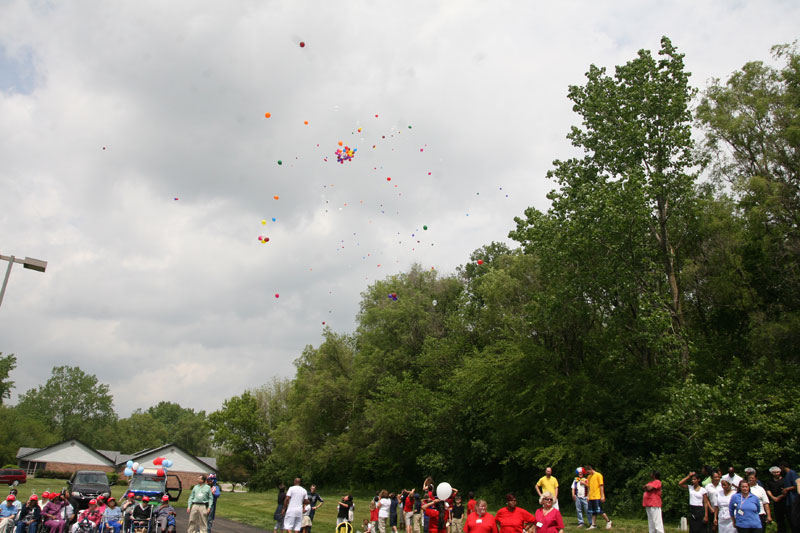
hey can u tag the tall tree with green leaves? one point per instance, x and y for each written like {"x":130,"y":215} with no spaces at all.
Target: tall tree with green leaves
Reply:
{"x":752,"y":126}
{"x":621,"y":218}
{"x":7,"y":364}
{"x":72,"y":404}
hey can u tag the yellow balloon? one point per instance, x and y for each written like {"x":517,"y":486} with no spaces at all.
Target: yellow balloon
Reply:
{"x":263,"y":222}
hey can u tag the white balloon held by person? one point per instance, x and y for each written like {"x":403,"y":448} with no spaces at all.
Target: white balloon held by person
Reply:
{"x":444,"y":490}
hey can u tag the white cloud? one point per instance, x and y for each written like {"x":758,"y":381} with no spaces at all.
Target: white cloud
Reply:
{"x":135,"y":104}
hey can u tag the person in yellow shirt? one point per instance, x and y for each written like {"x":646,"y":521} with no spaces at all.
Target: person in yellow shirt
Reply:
{"x":548,"y":483}
{"x":597,"y":496}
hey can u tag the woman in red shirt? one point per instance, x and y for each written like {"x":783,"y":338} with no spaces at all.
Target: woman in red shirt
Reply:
{"x":513,"y":519}
{"x":548,"y":518}
{"x":480,"y":521}
{"x":437,"y":517}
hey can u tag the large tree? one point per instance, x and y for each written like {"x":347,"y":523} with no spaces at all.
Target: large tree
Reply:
{"x":616,"y":235}
{"x":72,"y":404}
{"x":7,"y":364}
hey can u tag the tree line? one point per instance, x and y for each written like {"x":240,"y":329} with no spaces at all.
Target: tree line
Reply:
{"x":74,"y":404}
{"x":649,"y":319}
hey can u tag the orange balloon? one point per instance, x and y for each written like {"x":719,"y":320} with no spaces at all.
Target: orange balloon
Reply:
{"x":340,"y":143}
{"x":267,"y":115}
{"x":305,"y":122}
{"x":276,"y":197}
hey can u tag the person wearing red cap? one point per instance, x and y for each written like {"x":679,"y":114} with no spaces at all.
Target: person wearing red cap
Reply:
{"x":29,"y":516}
{"x":52,"y":513}
{"x":112,"y":517}
{"x":90,"y":515}
{"x":127,"y":509}
{"x":165,"y":515}
{"x":143,"y":510}
{"x":7,"y":513}
{"x":513,"y":519}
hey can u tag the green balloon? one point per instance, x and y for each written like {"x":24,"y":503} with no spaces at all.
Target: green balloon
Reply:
{"x":425,"y":228}
{"x":280,"y":162}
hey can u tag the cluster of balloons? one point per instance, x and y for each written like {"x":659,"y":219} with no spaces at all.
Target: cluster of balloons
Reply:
{"x":392,"y":296}
{"x":132,"y":467}
{"x":345,"y":154}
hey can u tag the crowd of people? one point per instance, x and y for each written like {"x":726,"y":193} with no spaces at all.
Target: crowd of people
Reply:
{"x":725,"y":503}
{"x":425,"y":511}
{"x":59,"y":512}
{"x":718,"y":503}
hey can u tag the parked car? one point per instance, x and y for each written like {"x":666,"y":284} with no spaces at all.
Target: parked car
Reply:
{"x":12,"y":476}
{"x":85,"y":485}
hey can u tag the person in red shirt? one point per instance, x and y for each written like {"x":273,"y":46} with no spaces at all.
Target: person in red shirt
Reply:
{"x":513,"y":519}
{"x":480,"y":521}
{"x":437,"y":516}
{"x":548,"y":518}
{"x":651,"y":501}
{"x":470,"y":503}
{"x":408,"y":509}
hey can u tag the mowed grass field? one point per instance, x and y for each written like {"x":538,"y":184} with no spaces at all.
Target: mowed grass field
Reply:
{"x":257,"y":508}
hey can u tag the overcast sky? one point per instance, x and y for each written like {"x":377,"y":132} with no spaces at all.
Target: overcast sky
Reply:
{"x":135,"y":157}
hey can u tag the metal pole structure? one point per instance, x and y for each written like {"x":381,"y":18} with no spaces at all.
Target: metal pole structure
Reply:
{"x":5,"y":280}
{"x":28,"y":262}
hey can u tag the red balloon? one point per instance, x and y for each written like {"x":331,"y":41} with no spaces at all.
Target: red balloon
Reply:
{"x":160,"y":471}
{"x":277,"y":295}
{"x":302,"y":44}
{"x":158,"y":460}
{"x":480,"y":261}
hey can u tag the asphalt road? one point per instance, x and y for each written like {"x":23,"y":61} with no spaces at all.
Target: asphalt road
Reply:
{"x":221,"y":525}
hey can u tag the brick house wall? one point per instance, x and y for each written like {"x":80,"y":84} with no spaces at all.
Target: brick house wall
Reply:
{"x":74,"y":467}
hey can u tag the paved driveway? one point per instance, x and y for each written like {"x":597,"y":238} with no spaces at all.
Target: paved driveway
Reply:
{"x":221,"y":525}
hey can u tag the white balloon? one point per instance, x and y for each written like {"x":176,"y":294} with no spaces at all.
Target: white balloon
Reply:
{"x":135,"y":466}
{"x":444,"y":490}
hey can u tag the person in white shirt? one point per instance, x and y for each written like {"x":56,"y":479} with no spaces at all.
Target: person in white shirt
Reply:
{"x":732,"y":478}
{"x":713,"y":489}
{"x":757,"y":490}
{"x":698,"y":503}
{"x":385,"y":504}
{"x":293,"y":507}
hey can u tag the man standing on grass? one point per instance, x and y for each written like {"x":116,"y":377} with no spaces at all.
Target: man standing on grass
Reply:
{"x":548,"y":483}
{"x":198,"y":506}
{"x":293,"y":507}
{"x":316,"y":501}
{"x":597,"y":496}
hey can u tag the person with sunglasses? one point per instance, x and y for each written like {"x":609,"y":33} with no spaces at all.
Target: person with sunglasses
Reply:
{"x":548,"y":518}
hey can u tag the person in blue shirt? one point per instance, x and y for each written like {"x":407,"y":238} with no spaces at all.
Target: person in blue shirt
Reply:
{"x":745,"y":508}
{"x":7,"y":513}
{"x":215,"y":492}
{"x":790,"y":490}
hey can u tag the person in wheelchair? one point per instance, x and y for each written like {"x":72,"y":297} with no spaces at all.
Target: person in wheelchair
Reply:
{"x":112,"y":517}
{"x":8,"y":513}
{"x":165,"y":515}
{"x":140,"y":518}
{"x":30,"y":516}
{"x":53,"y":513}
{"x":88,"y":520}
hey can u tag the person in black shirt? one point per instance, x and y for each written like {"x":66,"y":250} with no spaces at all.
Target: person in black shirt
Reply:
{"x":316,"y":502}
{"x":457,"y":515}
{"x":278,"y":516}
{"x":777,"y":498}
{"x":343,"y":515}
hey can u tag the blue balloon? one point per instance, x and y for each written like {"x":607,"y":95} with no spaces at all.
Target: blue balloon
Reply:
{"x":167,"y":463}
{"x":129,"y":464}
{"x":141,"y":470}
{"x":128,"y":472}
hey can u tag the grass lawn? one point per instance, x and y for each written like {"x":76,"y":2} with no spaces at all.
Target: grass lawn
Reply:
{"x":257,"y":508}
